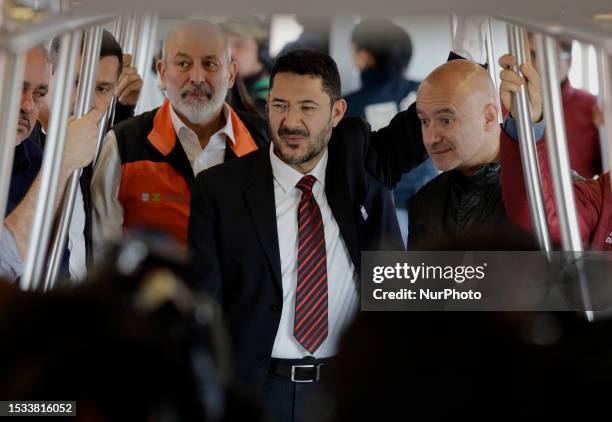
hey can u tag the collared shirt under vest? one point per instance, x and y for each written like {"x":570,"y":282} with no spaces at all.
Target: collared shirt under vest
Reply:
{"x":144,"y":177}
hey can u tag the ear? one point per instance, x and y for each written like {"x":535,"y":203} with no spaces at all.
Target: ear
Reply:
{"x":338,"y":110}
{"x":491,"y":114}
{"x":233,"y":70}
{"x":363,"y":60}
{"x":161,"y":71}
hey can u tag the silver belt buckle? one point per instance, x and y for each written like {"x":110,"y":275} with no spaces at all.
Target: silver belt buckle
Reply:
{"x":318,"y":366}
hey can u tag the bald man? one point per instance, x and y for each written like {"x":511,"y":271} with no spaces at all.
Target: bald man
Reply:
{"x":458,"y":111}
{"x":149,"y":163}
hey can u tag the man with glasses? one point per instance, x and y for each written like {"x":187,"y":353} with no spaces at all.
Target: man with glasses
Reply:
{"x":270,"y":230}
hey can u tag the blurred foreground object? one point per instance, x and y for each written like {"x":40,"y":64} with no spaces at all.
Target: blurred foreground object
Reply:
{"x":133,"y":343}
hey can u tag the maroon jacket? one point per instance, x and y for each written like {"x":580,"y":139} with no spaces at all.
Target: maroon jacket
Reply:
{"x":593,"y":198}
{"x":582,"y":134}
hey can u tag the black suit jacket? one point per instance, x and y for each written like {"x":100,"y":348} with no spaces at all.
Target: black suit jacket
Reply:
{"x":233,"y":233}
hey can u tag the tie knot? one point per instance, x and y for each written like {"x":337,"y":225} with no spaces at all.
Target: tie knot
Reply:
{"x":305,"y":184}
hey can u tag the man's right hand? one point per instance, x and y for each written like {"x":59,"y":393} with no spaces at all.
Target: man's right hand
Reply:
{"x":598,"y":116}
{"x":81,"y":141}
{"x":511,"y":84}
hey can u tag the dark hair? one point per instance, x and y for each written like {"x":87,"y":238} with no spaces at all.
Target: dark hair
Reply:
{"x":110,"y":47}
{"x":566,"y":47}
{"x":389,"y":44}
{"x":238,"y":97}
{"x":313,"y":63}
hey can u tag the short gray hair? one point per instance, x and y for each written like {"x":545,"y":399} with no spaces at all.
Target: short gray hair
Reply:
{"x":224,"y":38}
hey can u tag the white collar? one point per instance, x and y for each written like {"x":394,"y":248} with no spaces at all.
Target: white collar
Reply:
{"x":288,"y":177}
{"x":227,"y":130}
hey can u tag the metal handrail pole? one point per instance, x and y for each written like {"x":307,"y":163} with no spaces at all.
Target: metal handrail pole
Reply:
{"x":12,"y":66}
{"x":529,"y":156}
{"x":604,"y":74}
{"x":70,"y":44}
{"x":492,"y":66}
{"x":26,"y":37}
{"x":556,"y":144}
{"x":84,"y":101}
{"x":144,"y":51}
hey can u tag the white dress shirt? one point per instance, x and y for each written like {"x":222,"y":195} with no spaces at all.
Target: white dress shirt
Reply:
{"x":107,"y":210}
{"x":76,"y":240}
{"x":11,"y":265}
{"x":343,"y":298}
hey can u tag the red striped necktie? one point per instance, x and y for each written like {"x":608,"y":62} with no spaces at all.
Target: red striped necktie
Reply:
{"x":310,"y":322}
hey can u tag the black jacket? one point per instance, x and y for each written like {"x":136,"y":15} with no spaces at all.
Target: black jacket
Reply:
{"x":453,"y":209}
{"x":233,"y":233}
{"x":379,"y":86}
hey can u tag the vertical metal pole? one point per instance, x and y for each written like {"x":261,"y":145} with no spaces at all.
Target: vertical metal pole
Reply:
{"x":84,"y":101}
{"x":122,"y":27}
{"x":452,"y":27}
{"x":105,"y":123}
{"x":604,"y":74}
{"x":144,"y":51}
{"x":143,"y":44}
{"x":529,"y":156}
{"x":131,"y":36}
{"x":12,"y":68}
{"x":50,"y":172}
{"x":492,"y":67}
{"x":585,"y":66}
{"x":119,"y":31}
{"x":556,"y":143}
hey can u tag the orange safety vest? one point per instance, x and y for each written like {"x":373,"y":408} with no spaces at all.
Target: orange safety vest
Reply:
{"x":156,"y":176}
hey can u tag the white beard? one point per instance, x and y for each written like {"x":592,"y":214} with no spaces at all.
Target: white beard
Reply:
{"x":197,"y":111}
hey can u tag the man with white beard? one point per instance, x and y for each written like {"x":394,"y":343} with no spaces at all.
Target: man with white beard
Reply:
{"x":148,"y":164}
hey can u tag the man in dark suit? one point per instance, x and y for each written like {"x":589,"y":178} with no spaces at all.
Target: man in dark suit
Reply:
{"x":277,"y":235}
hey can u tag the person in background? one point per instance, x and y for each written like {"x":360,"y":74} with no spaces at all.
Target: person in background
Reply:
{"x":239,"y":99}
{"x":115,"y":77}
{"x":80,"y":146}
{"x":593,"y":197}
{"x":382,"y":52}
{"x":315,"y":34}
{"x":581,"y":115}
{"x":248,"y":38}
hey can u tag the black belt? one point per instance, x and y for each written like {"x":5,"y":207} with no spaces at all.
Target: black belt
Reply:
{"x":301,"y":370}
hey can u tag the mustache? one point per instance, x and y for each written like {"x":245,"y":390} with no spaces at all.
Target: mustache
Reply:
{"x":285,"y":131}
{"x":440,"y":146}
{"x":26,"y":118}
{"x":200,"y":90}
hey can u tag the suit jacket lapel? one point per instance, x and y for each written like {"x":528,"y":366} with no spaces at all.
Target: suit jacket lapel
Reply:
{"x":229,"y":154}
{"x":259,"y":197}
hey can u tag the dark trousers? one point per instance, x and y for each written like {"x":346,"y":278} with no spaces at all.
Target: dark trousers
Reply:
{"x":287,"y":401}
